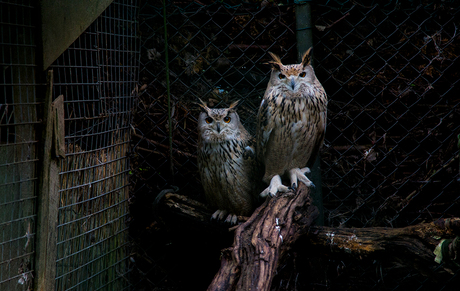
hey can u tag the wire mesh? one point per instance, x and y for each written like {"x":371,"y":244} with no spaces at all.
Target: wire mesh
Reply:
{"x":18,"y":144}
{"x":391,"y":151}
{"x":97,"y":75}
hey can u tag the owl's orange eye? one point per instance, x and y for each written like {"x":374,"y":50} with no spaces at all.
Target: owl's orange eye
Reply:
{"x":227,"y":119}
{"x":303,"y":74}
{"x":208,"y":120}
{"x":281,"y":76}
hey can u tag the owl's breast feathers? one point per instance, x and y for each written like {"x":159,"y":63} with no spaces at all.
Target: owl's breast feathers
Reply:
{"x":225,"y":170}
{"x":291,"y":127}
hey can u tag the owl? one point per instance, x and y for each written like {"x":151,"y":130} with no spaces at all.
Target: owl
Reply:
{"x":291,"y":124}
{"x":226,"y":163}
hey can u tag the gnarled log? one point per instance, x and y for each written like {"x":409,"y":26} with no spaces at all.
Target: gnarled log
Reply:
{"x":262,"y":241}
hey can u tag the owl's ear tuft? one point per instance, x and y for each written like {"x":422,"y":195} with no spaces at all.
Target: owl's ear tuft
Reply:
{"x":232,"y":106}
{"x":275,"y":58}
{"x":306,"y":58}
{"x":204,"y":107}
{"x":276,"y":62}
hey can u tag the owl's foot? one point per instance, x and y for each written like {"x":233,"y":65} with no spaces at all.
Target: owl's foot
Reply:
{"x":220,"y":214}
{"x":274,"y":187}
{"x":297,"y":174}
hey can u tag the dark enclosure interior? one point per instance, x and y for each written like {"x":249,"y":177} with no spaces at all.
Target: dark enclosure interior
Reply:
{"x":390,"y":157}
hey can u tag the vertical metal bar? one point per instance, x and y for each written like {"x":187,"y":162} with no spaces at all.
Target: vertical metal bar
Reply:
{"x":304,"y":42}
{"x":458,"y":145}
{"x":304,"y":32}
{"x":171,"y":164}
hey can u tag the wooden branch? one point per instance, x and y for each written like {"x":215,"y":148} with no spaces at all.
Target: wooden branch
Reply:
{"x":261,"y":243}
{"x":193,"y":210}
{"x":416,"y":241}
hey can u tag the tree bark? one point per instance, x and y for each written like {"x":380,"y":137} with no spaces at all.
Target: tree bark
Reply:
{"x":420,"y":239}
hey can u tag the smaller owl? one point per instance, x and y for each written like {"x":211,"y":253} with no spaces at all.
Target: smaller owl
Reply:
{"x":226,"y":162}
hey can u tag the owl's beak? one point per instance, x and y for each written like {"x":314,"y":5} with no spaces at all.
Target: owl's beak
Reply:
{"x":218,"y":127}
{"x":292,"y":83}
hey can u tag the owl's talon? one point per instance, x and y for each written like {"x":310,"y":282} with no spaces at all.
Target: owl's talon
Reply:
{"x":219,"y":214}
{"x":297,"y":174}
{"x":293,"y":187}
{"x":305,"y":170}
{"x":232,"y":219}
{"x":265,"y":193}
{"x":274,"y":187}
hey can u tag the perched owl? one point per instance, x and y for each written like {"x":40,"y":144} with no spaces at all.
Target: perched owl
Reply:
{"x":291,"y":124}
{"x":226,"y":162}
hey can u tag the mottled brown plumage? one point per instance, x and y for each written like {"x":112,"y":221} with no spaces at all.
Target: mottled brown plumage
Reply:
{"x":291,"y":123}
{"x":226,"y":162}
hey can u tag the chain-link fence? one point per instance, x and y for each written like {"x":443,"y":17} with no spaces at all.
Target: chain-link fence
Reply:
{"x":18,"y":145}
{"x":390,"y":156}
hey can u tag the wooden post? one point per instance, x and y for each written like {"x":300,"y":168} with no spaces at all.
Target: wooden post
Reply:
{"x":48,"y":193}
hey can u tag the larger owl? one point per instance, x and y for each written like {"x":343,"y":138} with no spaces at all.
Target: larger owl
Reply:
{"x":226,"y":162}
{"x":291,"y":124}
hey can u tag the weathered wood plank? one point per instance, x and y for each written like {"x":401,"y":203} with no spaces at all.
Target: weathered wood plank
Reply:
{"x":48,"y":193}
{"x":63,"y":22}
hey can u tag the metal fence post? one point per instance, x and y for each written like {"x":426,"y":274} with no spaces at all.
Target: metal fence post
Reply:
{"x":305,"y":41}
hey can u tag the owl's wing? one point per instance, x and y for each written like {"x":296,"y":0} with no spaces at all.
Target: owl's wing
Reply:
{"x":320,"y":130}
{"x":265,"y":126}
